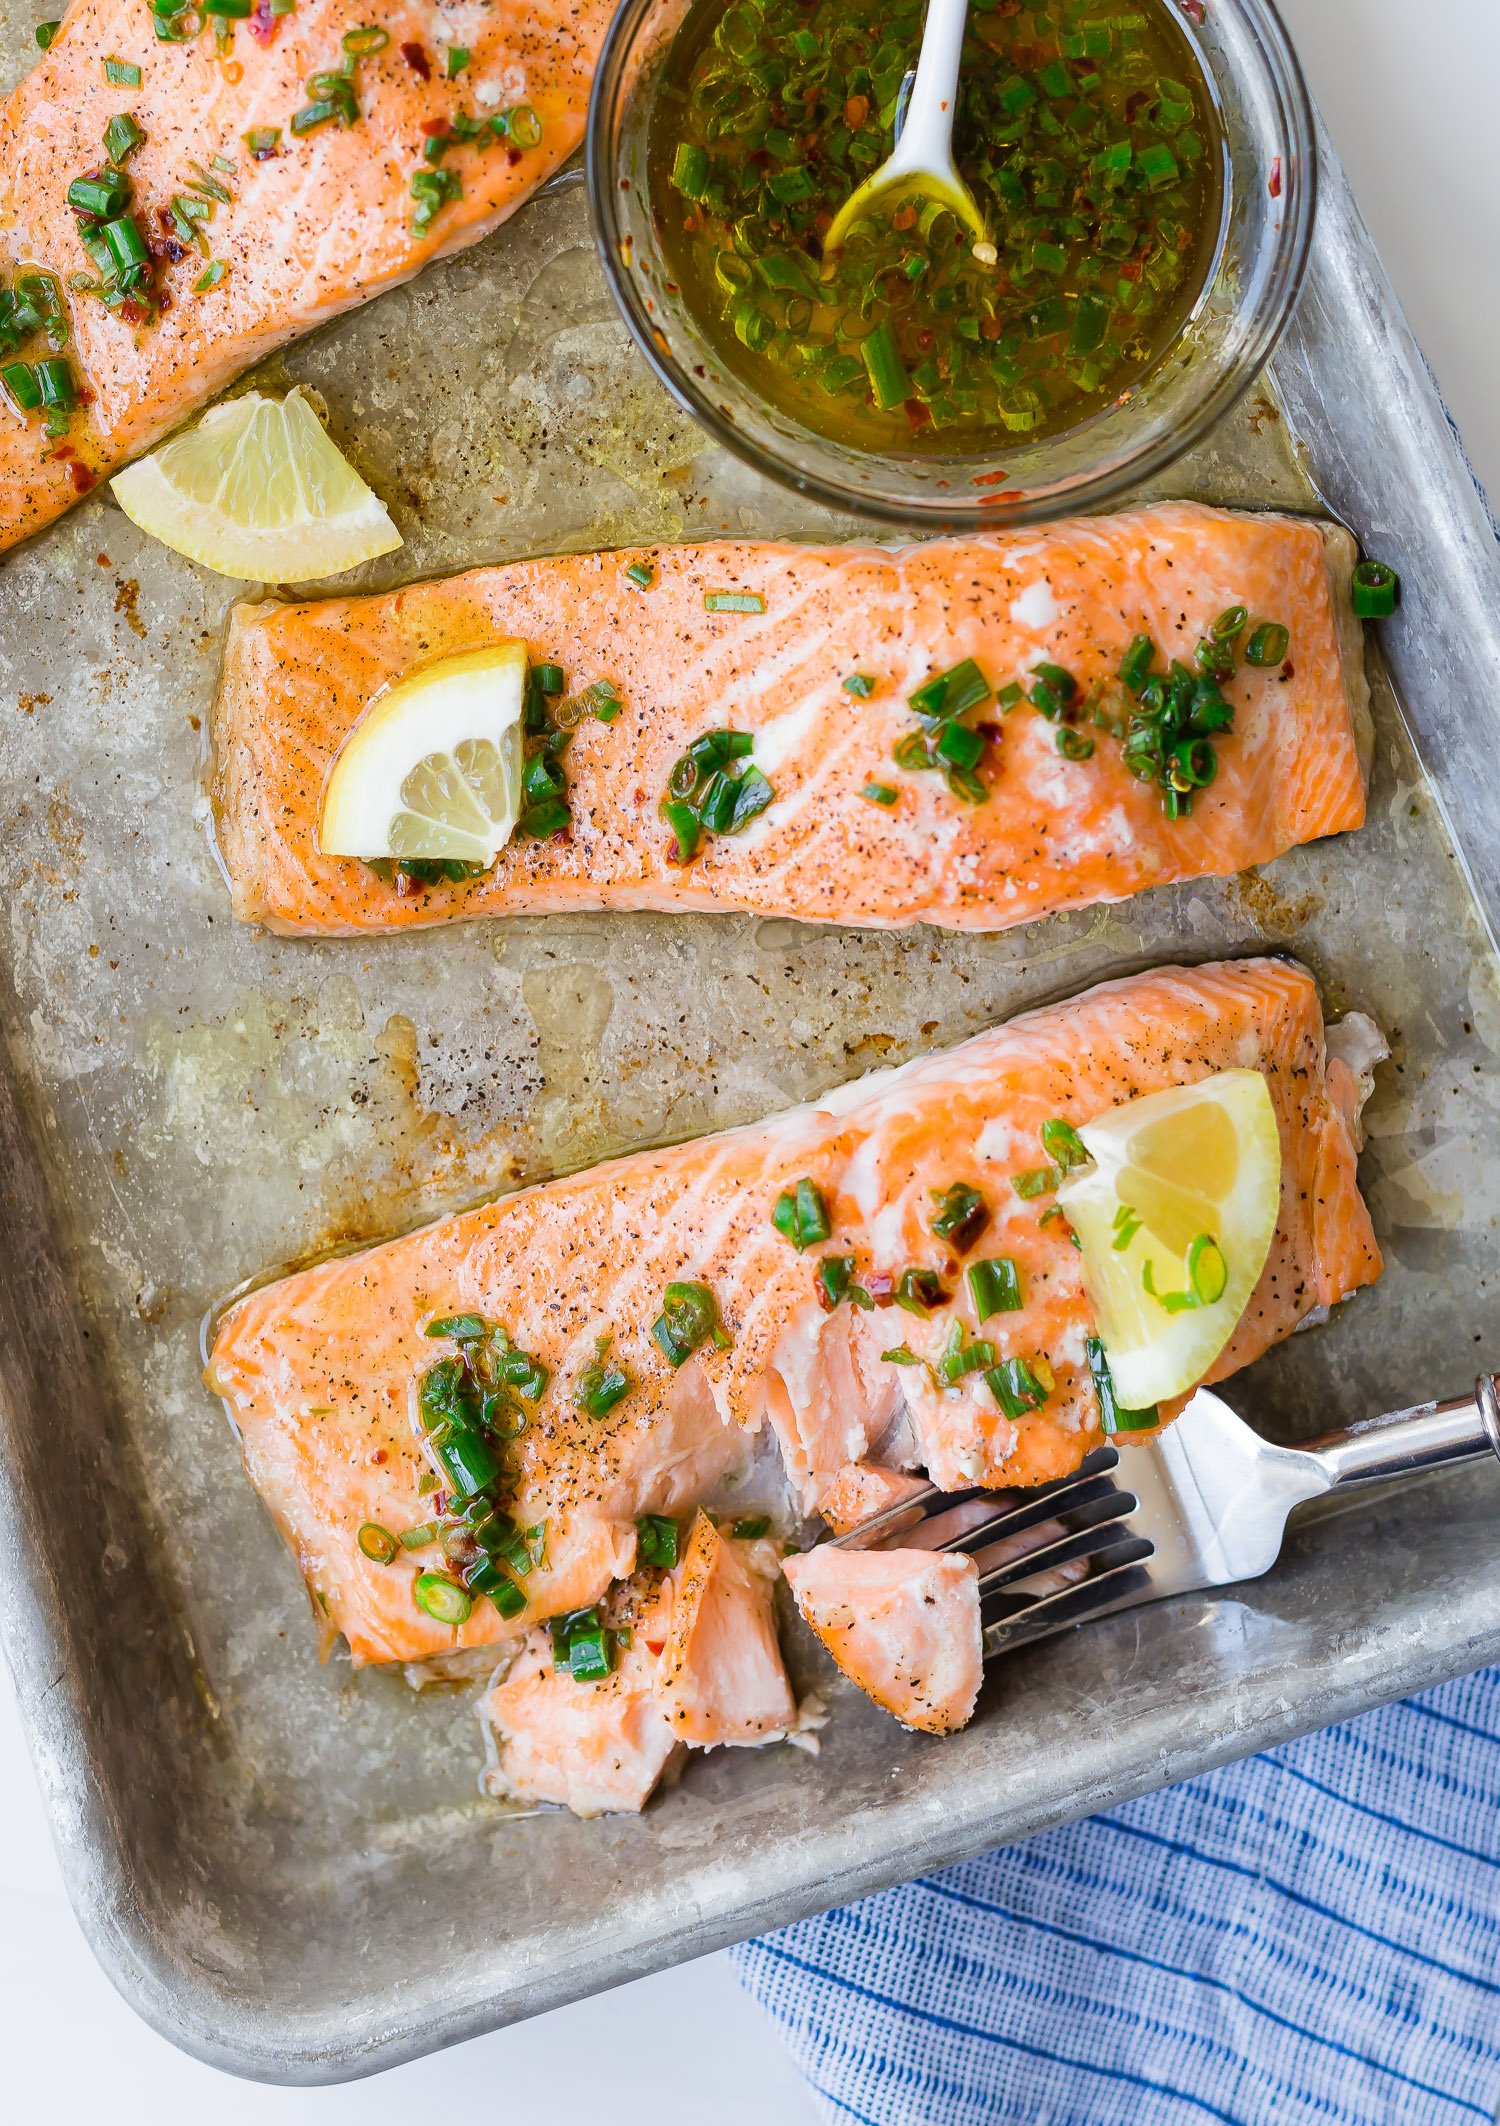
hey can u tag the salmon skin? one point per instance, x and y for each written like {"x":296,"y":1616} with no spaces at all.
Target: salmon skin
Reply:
{"x":318,"y":223}
{"x":1052,"y":833}
{"x":320,"y":1371}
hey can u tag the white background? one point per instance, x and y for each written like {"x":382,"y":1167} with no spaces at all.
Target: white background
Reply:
{"x":1409,"y":95}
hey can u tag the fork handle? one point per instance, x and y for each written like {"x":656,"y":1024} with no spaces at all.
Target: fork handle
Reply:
{"x":1406,"y":1442}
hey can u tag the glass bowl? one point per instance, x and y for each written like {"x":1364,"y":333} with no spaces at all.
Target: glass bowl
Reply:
{"x":1270,"y":192}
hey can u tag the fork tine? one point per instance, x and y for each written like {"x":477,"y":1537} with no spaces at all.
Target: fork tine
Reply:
{"x":1026,"y":1619}
{"x":1096,"y":1537}
{"x":1053,"y":1502}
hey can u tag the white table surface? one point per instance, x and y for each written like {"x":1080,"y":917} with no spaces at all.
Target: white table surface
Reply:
{"x":1408,"y":94}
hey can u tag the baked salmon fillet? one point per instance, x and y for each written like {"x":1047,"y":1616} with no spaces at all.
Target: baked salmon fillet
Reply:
{"x":305,"y":222}
{"x":636,"y":1325}
{"x":852,"y":836}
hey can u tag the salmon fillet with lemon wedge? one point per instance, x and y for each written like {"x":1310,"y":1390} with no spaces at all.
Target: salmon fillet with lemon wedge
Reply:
{"x":249,"y":182}
{"x":941,"y":734}
{"x":504,"y":1418}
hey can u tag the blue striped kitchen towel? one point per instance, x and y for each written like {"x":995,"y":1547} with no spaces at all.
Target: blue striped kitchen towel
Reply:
{"x":1308,"y":1935}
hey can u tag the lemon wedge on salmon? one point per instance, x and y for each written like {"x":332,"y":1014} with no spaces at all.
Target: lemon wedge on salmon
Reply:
{"x":433,"y":768}
{"x":258,"y":490}
{"x":1175,"y":1219}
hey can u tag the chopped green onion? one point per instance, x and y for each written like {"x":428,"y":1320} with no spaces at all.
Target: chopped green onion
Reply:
{"x":995,"y":1286}
{"x":122,"y":136}
{"x":860,"y":685}
{"x":549,"y":677}
{"x":834,"y":1282}
{"x":377,"y":1543}
{"x":1063,"y":1145}
{"x":962,"y":1216}
{"x":689,"y":1318}
{"x":360,"y":43}
{"x":600,"y":1387}
{"x":590,"y":1654}
{"x":227,"y":10}
{"x":460,"y":1328}
{"x":656,"y":1540}
{"x":1035,"y":1181}
{"x":919,"y":1291}
{"x":442,"y":1598}
{"x":262,"y":141}
{"x":45,"y":32}
{"x":122,"y":73}
{"x":690,"y":172}
{"x":960,"y":1357}
{"x":960,"y":746}
{"x":523,"y":126}
{"x":751,"y":1530}
{"x":733,"y":602}
{"x":1010,"y":697}
{"x":419,"y":1537}
{"x":1268,"y":645}
{"x":685,"y":825}
{"x":642,"y":574}
{"x":1015,"y":1387}
{"x":801,"y":1215}
{"x":1135,"y":665}
{"x":1208,"y":1273}
{"x":211,"y":276}
{"x":103,"y":197}
{"x":55,"y":383}
{"x":902,"y":1355}
{"x":950,"y":694}
{"x":1230,"y":625}
{"x":458,"y":59}
{"x":1073,"y":745}
{"x":890,"y":385}
{"x":1376,"y":591}
{"x":1113,"y":1417}
{"x":311,"y":116}
{"x":20,"y":381}
{"x":880,"y":793}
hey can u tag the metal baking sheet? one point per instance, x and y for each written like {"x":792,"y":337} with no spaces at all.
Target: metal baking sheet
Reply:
{"x":289,"y":1870}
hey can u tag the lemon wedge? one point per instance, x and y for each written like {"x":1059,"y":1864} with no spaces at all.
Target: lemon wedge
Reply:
{"x":257,"y":490}
{"x":433,"y":768}
{"x":1175,"y":1218}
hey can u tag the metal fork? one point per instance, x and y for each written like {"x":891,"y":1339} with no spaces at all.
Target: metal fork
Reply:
{"x":1202,"y":1504}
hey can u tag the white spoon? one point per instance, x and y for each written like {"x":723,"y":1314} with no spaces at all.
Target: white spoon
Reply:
{"x":922,"y":160}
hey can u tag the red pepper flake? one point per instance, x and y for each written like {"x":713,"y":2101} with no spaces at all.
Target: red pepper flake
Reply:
{"x":80,"y":475}
{"x":904,"y":217}
{"x":881,"y":1288}
{"x":417,"y":59}
{"x":262,"y":24}
{"x":856,"y":111}
{"x":989,"y":479}
{"x":1274,"y":187}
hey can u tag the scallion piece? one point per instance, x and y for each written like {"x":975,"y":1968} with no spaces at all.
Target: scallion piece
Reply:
{"x":459,"y":1328}
{"x":45,"y":32}
{"x":20,"y":381}
{"x":443,"y":1599}
{"x":377,"y":1543}
{"x":1135,"y":665}
{"x":103,"y":197}
{"x":311,"y":116}
{"x":686,"y":826}
{"x":1376,"y":591}
{"x":122,"y":73}
{"x":688,"y":1319}
{"x":733,"y":602}
{"x":961,"y":1217}
{"x":1113,"y":1417}
{"x":227,"y":10}
{"x":960,"y":1357}
{"x":880,"y":793}
{"x":1015,"y":1387}
{"x":122,"y":136}
{"x":1073,"y":745}
{"x":860,"y":685}
{"x":55,"y":384}
{"x":1208,"y":1273}
{"x":690,"y":171}
{"x":1230,"y":625}
{"x":600,"y":1387}
{"x":919,"y":1291}
{"x":458,"y":59}
{"x":419,"y":1537}
{"x":890,"y":386}
{"x":949,"y":694}
{"x":523,"y":126}
{"x":656,"y":1540}
{"x":1063,"y":1145}
{"x":995,"y":1286}
{"x":752,"y":1529}
{"x":801,"y":1215}
{"x":960,"y":746}
{"x":1268,"y":645}
{"x":549,"y":677}
{"x":641,"y":574}
{"x":211,"y":276}
{"x":833,"y":1281}
{"x":1035,"y":1181}
{"x":591,"y":1654}
{"x":901,"y":1355}
{"x":262,"y":141}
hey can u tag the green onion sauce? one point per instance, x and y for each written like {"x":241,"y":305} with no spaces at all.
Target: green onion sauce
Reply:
{"x":1089,"y":136}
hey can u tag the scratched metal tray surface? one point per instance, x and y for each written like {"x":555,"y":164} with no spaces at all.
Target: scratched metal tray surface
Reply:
{"x":289,"y":1870}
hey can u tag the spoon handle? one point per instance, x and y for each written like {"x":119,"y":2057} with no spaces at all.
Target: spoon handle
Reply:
{"x":934,"y":93}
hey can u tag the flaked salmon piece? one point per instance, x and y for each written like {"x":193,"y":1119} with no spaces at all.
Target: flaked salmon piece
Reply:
{"x":593,"y":1747}
{"x":902,"y":1624}
{"x":312,"y":226}
{"x":721,"y":1677}
{"x":319,"y":1371}
{"x":863,"y":1489}
{"x":1053,"y":833}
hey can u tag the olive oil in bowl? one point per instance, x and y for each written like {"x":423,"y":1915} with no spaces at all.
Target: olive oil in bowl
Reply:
{"x":1091,"y":138}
